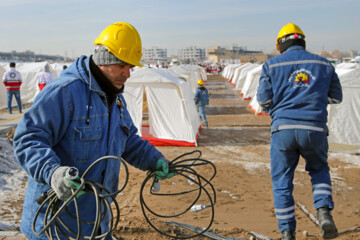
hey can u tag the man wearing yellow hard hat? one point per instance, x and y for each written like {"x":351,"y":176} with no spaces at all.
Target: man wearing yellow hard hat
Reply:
{"x":77,"y":119}
{"x":201,"y":100}
{"x":295,"y":87}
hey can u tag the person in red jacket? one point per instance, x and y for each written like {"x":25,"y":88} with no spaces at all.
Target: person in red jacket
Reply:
{"x":12,"y":80}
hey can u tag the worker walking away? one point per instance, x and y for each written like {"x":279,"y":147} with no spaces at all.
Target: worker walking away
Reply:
{"x":45,"y":77}
{"x":12,"y":80}
{"x":77,"y":119}
{"x":295,"y":88}
{"x":201,"y":100}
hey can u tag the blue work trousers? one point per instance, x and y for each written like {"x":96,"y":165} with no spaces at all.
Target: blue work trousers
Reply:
{"x":16,"y":93}
{"x":286,"y":148}
{"x":201,"y":109}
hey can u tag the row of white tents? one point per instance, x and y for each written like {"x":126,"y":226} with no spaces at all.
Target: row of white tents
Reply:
{"x":160,"y":101}
{"x":343,"y":119}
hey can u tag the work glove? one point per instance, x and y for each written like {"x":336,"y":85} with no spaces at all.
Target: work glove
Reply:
{"x":62,"y":181}
{"x":162,"y":169}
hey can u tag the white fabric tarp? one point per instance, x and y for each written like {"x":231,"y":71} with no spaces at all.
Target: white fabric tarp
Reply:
{"x":344,"y":118}
{"x":229,"y":71}
{"x":237,"y":71}
{"x":232,"y":70}
{"x":255,"y":106}
{"x":172,"y":111}
{"x":251,"y":83}
{"x":193,"y":74}
{"x":29,"y":72}
{"x":239,"y":83}
{"x":3,"y":94}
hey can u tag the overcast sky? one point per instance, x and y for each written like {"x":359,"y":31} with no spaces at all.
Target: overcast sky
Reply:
{"x":70,"y":26}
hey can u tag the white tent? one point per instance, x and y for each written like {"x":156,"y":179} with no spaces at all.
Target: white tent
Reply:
{"x":229,"y":71}
{"x":184,"y":77}
{"x":193,"y":75}
{"x":29,"y":72}
{"x":251,"y":83}
{"x":3,"y":94}
{"x":172,"y":115}
{"x":226,"y":71}
{"x":237,"y":71}
{"x":344,"y":118}
{"x":200,"y":70}
{"x":232,"y":72}
{"x":239,"y":82}
{"x":255,"y":106}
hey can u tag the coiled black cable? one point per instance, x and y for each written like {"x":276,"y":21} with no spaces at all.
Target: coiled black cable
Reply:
{"x":55,"y":206}
{"x":183,"y":168}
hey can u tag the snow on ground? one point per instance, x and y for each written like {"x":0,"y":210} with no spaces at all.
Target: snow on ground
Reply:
{"x":11,"y":186}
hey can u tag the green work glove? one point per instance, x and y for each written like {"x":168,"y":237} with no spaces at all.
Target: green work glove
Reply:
{"x":62,"y":181}
{"x":162,"y":169}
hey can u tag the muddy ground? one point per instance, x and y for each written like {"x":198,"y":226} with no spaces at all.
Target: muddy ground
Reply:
{"x":237,"y":142}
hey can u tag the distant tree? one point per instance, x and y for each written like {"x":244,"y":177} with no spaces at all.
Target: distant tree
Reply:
{"x":325,"y":54}
{"x":336,"y":54}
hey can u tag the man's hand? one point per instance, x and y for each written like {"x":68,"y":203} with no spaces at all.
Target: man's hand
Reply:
{"x":162,"y":169}
{"x":62,"y":181}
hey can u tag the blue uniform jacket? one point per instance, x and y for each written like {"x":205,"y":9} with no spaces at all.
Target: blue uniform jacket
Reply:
{"x":54,"y":132}
{"x":201,"y":96}
{"x":296,"y":86}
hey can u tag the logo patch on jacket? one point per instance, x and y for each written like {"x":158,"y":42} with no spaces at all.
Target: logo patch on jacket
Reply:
{"x":301,"y":78}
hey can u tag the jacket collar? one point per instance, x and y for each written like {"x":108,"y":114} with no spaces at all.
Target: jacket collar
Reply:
{"x":295,"y":48}
{"x":90,"y":80}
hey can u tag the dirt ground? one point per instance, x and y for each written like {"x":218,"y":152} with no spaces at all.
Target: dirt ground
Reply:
{"x":237,"y":142}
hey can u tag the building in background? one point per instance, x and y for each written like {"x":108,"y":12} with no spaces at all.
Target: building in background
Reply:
{"x":192,"y":54}
{"x":234,"y":54}
{"x":29,"y":56}
{"x":154,"y":54}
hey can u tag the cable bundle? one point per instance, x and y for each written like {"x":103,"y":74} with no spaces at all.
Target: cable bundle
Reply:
{"x":56,"y":206}
{"x":184,"y":168}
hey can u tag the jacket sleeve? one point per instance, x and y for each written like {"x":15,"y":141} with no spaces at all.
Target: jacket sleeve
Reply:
{"x":264,"y":93}
{"x":207,"y":97}
{"x":196,"y":98}
{"x":39,"y":130}
{"x":335,"y":90}
{"x":139,"y":152}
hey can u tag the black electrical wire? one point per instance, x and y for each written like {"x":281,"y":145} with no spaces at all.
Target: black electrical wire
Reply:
{"x":183,"y":168}
{"x":178,"y":166}
{"x":55,"y":206}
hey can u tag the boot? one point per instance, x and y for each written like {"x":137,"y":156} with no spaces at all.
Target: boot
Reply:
{"x":327,"y":225}
{"x":288,"y":235}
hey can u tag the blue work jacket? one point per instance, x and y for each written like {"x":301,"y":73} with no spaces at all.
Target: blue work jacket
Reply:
{"x":71,"y":124}
{"x":201,"y":96}
{"x":296,"y":86}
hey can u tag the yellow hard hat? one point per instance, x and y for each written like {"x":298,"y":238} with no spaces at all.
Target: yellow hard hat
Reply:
{"x":122,"y":40}
{"x":289,"y":28}
{"x":200,"y":82}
